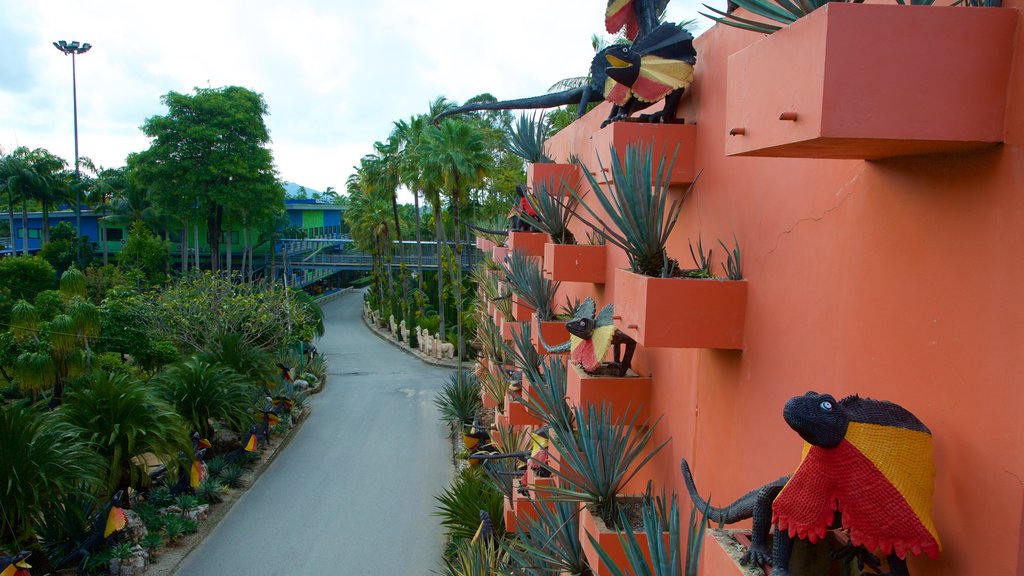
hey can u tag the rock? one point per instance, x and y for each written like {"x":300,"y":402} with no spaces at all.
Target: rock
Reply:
{"x":301,"y":384}
{"x":225,"y":441}
{"x":197,"y":514}
{"x":133,"y":565}
{"x":134,"y":528}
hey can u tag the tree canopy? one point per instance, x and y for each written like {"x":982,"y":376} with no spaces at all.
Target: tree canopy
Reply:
{"x":208,"y":159}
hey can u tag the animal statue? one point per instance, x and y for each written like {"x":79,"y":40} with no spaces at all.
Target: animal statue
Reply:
{"x":266,"y":418}
{"x":657,"y":66}
{"x":426,"y":343}
{"x":443,"y":349}
{"x":404,"y":332}
{"x":393,"y":325}
{"x":866,"y":467}
{"x":590,"y":337}
{"x":104,"y":524}
{"x":15,"y":565}
{"x":486,"y":530}
{"x":639,"y":17}
{"x":191,"y":469}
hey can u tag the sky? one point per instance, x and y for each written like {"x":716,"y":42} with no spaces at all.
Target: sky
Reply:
{"x":335,"y":74}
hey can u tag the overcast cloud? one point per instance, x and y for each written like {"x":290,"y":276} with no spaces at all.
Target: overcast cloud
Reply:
{"x":335,"y":75}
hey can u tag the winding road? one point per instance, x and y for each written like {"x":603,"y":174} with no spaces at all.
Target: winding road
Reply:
{"x":353,"y":493}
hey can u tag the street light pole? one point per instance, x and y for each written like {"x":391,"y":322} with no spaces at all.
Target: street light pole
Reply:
{"x":74,"y":48}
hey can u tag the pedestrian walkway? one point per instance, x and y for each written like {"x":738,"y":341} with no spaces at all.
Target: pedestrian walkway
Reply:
{"x":353,"y":493}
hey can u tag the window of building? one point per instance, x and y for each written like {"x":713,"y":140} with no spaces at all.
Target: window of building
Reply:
{"x":115,"y":234}
{"x":33,"y":233}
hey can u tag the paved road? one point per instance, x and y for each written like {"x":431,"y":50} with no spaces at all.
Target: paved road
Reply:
{"x":353,"y":493}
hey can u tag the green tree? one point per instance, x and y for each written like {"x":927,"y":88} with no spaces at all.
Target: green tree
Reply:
{"x":26,"y":276}
{"x":208,"y":156}
{"x":458,"y":158}
{"x":65,"y":247}
{"x":124,"y":418}
{"x":145,"y":251}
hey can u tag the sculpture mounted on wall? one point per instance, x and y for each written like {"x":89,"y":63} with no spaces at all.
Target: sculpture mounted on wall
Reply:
{"x":668,"y":54}
{"x":869,"y":460}
{"x":590,"y":336}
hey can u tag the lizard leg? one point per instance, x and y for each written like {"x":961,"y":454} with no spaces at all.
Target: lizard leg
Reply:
{"x":627,"y":358}
{"x":762,"y":520}
{"x":897,"y":566}
{"x":782,"y":549}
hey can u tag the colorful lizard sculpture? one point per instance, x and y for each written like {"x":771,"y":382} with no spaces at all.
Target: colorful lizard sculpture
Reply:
{"x":15,"y":565}
{"x":590,"y":336}
{"x":869,"y":460}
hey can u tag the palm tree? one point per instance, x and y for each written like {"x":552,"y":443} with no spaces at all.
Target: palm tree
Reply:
{"x":124,"y":418}
{"x":249,"y":360}
{"x":18,"y":177}
{"x":202,"y":392}
{"x":458,"y":157}
{"x":368,"y":219}
{"x":53,"y":185}
{"x":43,"y":458}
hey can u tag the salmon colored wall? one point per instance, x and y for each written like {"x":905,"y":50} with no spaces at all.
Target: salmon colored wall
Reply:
{"x":897,"y":279}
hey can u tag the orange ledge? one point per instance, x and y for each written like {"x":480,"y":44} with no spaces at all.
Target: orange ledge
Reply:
{"x":609,"y":540}
{"x":554,"y":332}
{"x":531,"y":243}
{"x":627,"y":395}
{"x":508,"y":327}
{"x":872,"y":81}
{"x":516,"y":414}
{"x":575,"y":262}
{"x":552,"y":175}
{"x":681,"y":312}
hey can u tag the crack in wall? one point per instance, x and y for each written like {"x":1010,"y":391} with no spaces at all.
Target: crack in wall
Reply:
{"x":842,"y":201}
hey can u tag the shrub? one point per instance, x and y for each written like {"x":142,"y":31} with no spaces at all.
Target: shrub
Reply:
{"x":231,"y":476}
{"x":25,"y":276}
{"x":460,"y":504}
{"x":160,"y":497}
{"x":210,"y":491}
{"x":177,"y":526}
{"x":459,"y":400}
{"x":186,"y":501}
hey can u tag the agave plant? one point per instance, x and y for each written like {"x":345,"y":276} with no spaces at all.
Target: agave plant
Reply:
{"x":491,"y":343}
{"x":202,"y":392}
{"x":549,"y":543}
{"x":666,"y":559}
{"x":523,"y":353}
{"x":459,"y":400}
{"x":503,"y":303}
{"x":733,"y":265}
{"x":526,"y":138}
{"x":495,"y":387}
{"x":526,"y":278}
{"x":601,"y":457}
{"x":43,"y":459}
{"x":548,"y":390}
{"x":480,"y":558}
{"x":554,"y":204}
{"x":636,"y":201}
{"x":783,"y":12}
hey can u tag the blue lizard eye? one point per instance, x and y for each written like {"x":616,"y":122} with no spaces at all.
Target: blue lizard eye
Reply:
{"x":826,"y":406}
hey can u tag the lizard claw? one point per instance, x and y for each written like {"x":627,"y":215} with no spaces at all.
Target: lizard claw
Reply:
{"x":864,"y":558}
{"x":756,"y":556}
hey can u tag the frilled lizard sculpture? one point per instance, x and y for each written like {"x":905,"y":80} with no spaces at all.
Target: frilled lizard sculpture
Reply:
{"x":640,"y":19}
{"x":105,"y":523}
{"x":590,"y":336}
{"x":869,"y":460}
{"x":15,"y":565}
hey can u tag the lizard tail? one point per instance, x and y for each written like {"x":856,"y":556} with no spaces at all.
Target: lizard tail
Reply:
{"x":559,"y":349}
{"x":738,"y":510}
{"x":571,"y":96}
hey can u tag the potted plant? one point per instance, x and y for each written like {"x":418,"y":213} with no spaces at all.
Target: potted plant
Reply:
{"x":661,"y":303}
{"x":597,"y":460}
{"x":549,"y":543}
{"x":533,"y":293}
{"x":676,"y":140}
{"x":656,"y":556}
{"x":868,"y":81}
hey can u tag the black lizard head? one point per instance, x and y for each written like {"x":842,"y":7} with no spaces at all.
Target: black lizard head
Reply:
{"x":581,"y":327}
{"x":817,"y":418}
{"x":625,"y":64}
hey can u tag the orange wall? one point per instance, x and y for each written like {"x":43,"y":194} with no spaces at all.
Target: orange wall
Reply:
{"x":898,"y":279}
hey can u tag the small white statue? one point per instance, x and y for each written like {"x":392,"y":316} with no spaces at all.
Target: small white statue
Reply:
{"x":428,"y":343}
{"x":405,"y":333}
{"x":393,"y":325}
{"x":443,"y":349}
{"x":376,"y":317}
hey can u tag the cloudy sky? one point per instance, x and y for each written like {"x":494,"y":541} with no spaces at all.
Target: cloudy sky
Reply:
{"x":335,"y":74}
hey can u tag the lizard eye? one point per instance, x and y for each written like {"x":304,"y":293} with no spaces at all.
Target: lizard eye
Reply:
{"x":826,"y":406}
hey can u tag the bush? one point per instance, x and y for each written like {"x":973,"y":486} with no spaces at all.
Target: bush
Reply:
{"x":210,"y":491}
{"x":214,"y":466}
{"x":460,"y":504}
{"x":459,"y":400}
{"x":152,"y":542}
{"x":160,"y":497}
{"x":177,"y":526}
{"x":231,"y":476}
{"x":145,"y":251}
{"x":186,"y":501}
{"x":25,"y":276}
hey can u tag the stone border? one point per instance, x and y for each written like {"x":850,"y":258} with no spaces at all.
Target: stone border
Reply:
{"x":385,"y":335}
